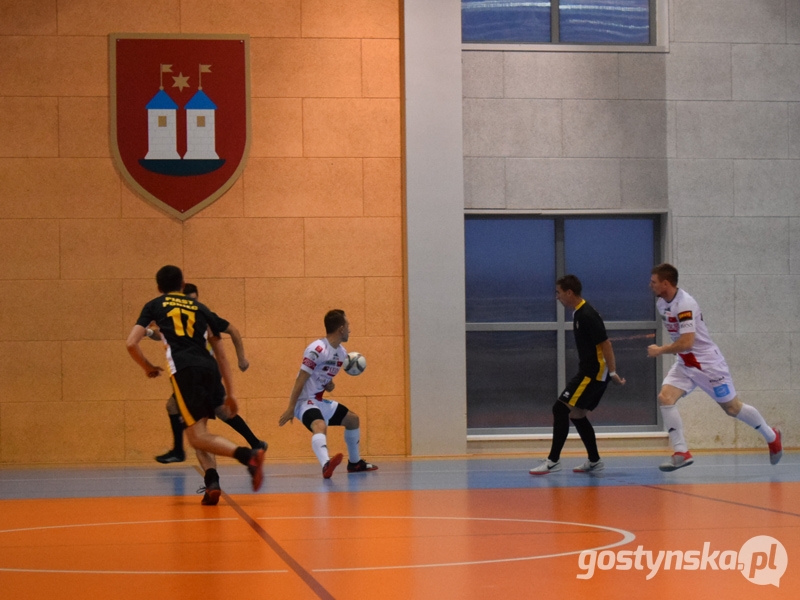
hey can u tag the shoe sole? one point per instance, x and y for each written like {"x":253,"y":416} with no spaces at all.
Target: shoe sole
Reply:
{"x":170,"y":460}
{"x":670,"y":468}
{"x":373,"y":468}
{"x":595,"y":470}
{"x":544,"y":472}
{"x":258,"y":474}
{"x":334,"y":462}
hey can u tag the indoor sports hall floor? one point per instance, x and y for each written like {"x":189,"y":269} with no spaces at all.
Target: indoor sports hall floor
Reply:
{"x":726,"y":527}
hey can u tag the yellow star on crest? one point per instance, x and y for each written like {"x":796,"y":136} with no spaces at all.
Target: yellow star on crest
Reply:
{"x":181,"y":81}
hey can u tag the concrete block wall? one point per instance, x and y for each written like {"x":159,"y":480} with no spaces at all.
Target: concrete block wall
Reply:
{"x":709,"y":131}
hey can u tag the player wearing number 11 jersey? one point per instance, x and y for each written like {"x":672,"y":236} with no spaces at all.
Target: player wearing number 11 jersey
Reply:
{"x":195,"y":374}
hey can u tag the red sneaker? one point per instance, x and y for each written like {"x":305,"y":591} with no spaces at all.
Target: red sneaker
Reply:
{"x":254,"y":468}
{"x":776,"y":448}
{"x":676,"y":461}
{"x":360,"y":466}
{"x":334,"y":462}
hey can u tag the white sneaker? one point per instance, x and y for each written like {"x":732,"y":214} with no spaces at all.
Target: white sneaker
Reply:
{"x":590,"y":467}
{"x":547,"y":466}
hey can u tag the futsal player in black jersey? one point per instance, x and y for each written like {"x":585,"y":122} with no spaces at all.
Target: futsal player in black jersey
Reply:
{"x":237,"y":423}
{"x":184,"y":324}
{"x":597,"y":366}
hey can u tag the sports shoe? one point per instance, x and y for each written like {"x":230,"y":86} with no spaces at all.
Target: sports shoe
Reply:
{"x":327,"y":470}
{"x":547,"y":466}
{"x":676,"y":461}
{"x":254,"y":468}
{"x":590,"y":467}
{"x":173,"y":456}
{"x":211,"y":495}
{"x":776,"y":448}
{"x":362,"y":465}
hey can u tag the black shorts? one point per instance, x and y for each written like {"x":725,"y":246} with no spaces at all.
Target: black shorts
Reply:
{"x":313,"y":414}
{"x":583,"y":392}
{"x":199,"y":392}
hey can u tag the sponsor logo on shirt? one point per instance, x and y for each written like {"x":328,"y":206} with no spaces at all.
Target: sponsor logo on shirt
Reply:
{"x":309,"y":363}
{"x":685,"y":316}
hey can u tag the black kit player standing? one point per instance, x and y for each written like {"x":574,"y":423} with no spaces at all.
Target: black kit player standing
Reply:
{"x":195,"y":374}
{"x":597,"y":365}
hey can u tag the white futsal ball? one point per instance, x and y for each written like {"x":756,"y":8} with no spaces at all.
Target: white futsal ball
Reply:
{"x":355,"y":364}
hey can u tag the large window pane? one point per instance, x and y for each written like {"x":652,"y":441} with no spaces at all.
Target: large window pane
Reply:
{"x":510,"y":269}
{"x":505,"y":21}
{"x":613,"y":259}
{"x":631,"y":404}
{"x":511,"y":378}
{"x":604,"y":21}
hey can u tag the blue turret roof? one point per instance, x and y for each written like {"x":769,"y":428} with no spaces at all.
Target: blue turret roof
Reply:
{"x":161,"y":100}
{"x":201,"y":101}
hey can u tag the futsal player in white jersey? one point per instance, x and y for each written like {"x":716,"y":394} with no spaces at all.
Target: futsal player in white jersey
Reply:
{"x":322,"y":360}
{"x":700,"y":364}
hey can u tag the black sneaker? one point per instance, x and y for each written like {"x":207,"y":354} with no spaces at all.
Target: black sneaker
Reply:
{"x":360,"y":466}
{"x":211,"y":494}
{"x":173,"y":456}
{"x":254,"y":468}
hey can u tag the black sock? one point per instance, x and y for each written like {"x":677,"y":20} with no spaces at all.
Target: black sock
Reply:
{"x":211,"y":476}
{"x":586,"y":431}
{"x":240,"y":427}
{"x":560,"y":430}
{"x":243,"y":455}
{"x":176,"y":422}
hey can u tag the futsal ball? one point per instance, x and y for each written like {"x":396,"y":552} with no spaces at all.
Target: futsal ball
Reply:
{"x":355,"y":364}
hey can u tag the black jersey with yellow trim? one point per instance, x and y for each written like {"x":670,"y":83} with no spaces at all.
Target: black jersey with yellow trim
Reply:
{"x":183,"y":323}
{"x":590,"y":332}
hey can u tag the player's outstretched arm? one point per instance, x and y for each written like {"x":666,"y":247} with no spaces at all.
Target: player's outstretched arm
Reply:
{"x":238,"y":345}
{"x":132,"y":344}
{"x":226,"y":372}
{"x":299,"y":383}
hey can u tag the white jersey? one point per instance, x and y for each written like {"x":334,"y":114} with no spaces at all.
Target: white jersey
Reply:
{"x":683,"y":315}
{"x":322,"y":361}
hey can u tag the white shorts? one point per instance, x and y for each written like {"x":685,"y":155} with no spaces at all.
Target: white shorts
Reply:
{"x":326,"y":407}
{"x":715,"y":380}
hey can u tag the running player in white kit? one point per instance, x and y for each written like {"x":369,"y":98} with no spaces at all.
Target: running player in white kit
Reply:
{"x":322,"y":360}
{"x":700,"y":364}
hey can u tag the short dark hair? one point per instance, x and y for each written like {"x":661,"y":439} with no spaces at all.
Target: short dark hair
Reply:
{"x":666,"y":272}
{"x":169,"y":279}
{"x":570,"y":282}
{"x":334,"y":319}
{"x":190,"y":288}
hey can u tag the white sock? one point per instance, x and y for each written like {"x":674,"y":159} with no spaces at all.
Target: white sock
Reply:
{"x":752,"y":417}
{"x":351,"y":438}
{"x":319,"y":444}
{"x":674,"y":424}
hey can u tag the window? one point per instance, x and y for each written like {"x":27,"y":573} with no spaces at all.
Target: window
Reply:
{"x":628,"y":22}
{"x":201,"y":121}
{"x":520,"y":345}
{"x":162,"y":121}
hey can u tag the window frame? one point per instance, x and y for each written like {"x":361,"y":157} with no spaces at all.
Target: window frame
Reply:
{"x":563,"y":326}
{"x":659,"y":28}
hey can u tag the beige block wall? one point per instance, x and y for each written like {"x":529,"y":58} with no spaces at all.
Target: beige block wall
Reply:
{"x":315,"y":222}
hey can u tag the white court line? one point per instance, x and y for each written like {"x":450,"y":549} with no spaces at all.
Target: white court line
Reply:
{"x":627,"y":537}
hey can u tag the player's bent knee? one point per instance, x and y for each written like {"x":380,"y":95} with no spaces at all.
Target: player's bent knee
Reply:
{"x":351,"y":420}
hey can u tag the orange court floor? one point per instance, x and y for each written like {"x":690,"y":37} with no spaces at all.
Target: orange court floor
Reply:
{"x":727,"y":526}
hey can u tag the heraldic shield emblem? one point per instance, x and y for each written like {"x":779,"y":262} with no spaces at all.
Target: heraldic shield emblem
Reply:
{"x":180,"y":116}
